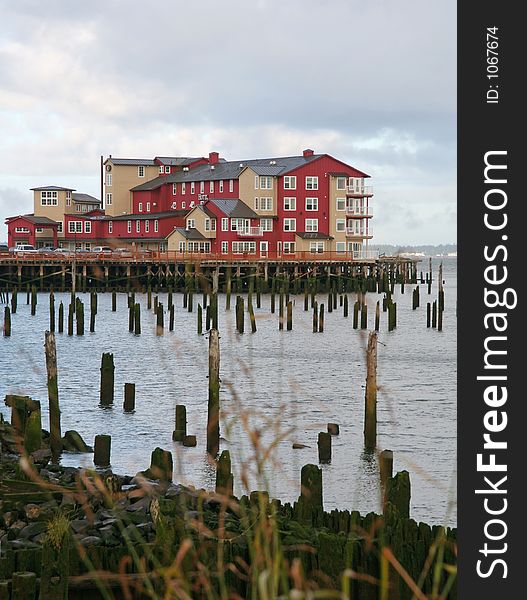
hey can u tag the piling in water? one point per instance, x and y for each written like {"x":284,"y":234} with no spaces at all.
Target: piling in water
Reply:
{"x":377,"y":315}
{"x":61,"y":318}
{"x":398,"y":492}
{"x":213,"y":418}
{"x":92,"y":319}
{"x":70,"y":318}
{"x":180,"y":430}
{"x":52,"y":312}
{"x":385,"y":466}
{"x":161,"y":465}
{"x":23,"y":585}
{"x":281,"y":312}
{"x":310,"y":500}
{"x":434,"y":314}
{"x":200,"y":319}
{"x":370,"y":412}
{"x":131,"y":317}
{"x":356,"y":308}
{"x":252,"y":317}
{"x":55,"y":436}
{"x":171,"y":314}
{"x":330,"y":302}
{"x":324,"y":447}
{"x":107,"y":380}
{"x":364,"y":316}
{"x":224,"y":476}
{"x":428,"y":314}
{"x":321,"y":319}
{"x":345,"y":308}
{"x":240,"y":314}
{"x":129,"y":397}
{"x":14,"y":301}
{"x":315,"y":318}
{"x":160,"y":322}
{"x":333,"y":429}
{"x":289,"y":315}
{"x":137,"y":318}
{"x":101,"y":450}
{"x":7,"y":321}
{"x":79,"y":314}
{"x":114,"y":301}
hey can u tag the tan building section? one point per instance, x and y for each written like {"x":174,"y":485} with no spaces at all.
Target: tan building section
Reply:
{"x":203,"y":221}
{"x":120,"y":176}
{"x":188,"y":240}
{"x":52,"y":202}
{"x":312,"y":242}
{"x":248,"y":192}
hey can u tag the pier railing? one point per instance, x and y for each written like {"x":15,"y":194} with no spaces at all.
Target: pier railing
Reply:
{"x":171,"y":256}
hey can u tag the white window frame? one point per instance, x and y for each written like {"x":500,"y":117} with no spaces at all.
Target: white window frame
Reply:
{"x":290,"y":203}
{"x":289,"y":247}
{"x":201,"y":187}
{"x":140,"y":171}
{"x":256,"y":181}
{"x":110,"y":226}
{"x":109,"y":180}
{"x":340,"y":225}
{"x":341,"y":183}
{"x":266,"y":224}
{"x":221,"y":186}
{"x":109,"y":198}
{"x":183,"y":188}
{"x":264,"y":248}
{"x":174,"y":189}
{"x":192,"y":187}
{"x":147,"y":226}
{"x":140,"y":207}
{"x":311,"y":182}
{"x":49,"y":198}
{"x":340,"y":201}
{"x":87,"y":226}
{"x":167,"y":169}
{"x":138,"y":226}
{"x":266,"y":182}
{"x":182,"y":246}
{"x":289,"y":224}
{"x":289,"y":182}
{"x":311,"y":204}
{"x":156,"y":225}
{"x":207,"y":224}
{"x":148,"y":207}
{"x":340,"y":247}
{"x":225,"y":247}
{"x":311,"y":225}
{"x":191,"y":223}
{"x":129,"y":226}
{"x":231,"y":185}
{"x":211,"y":187}
{"x":225,"y":223}
{"x":60,"y":227}
{"x":161,"y":169}
{"x":266,"y":204}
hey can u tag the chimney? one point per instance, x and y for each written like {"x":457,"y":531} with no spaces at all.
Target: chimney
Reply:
{"x":308,"y":152}
{"x":214,"y":158}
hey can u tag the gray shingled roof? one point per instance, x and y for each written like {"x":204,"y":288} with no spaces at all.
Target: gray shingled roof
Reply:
{"x":177,"y":161}
{"x":147,"y":162}
{"x":268,"y":170}
{"x":191,"y":234}
{"x":85,"y":198}
{"x":52,"y":188}
{"x":144,"y":216}
{"x":35,"y":220}
{"x":233,"y":207}
{"x":313,"y":235}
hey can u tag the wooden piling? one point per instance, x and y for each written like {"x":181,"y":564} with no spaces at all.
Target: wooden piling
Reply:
{"x":137,"y":318}
{"x":61,"y":318}
{"x":439,"y":320}
{"x":228,"y":287}
{"x":107,"y":379}
{"x":321,"y":319}
{"x":101,"y":450}
{"x":24,"y":585}
{"x":434,"y":314}
{"x":289,"y":315}
{"x":200,"y":319}
{"x":252,"y":317}
{"x":281,"y":312}
{"x":324,"y":447}
{"x":114,"y":302}
{"x":428,"y":314}
{"x":356,"y":308}
{"x":180,"y":431}
{"x":364,"y":316}
{"x":398,"y":493}
{"x":240,"y":314}
{"x":310,"y":501}
{"x":93,"y":312}
{"x":345,"y":307}
{"x":129,"y":397}
{"x":385,"y":466}
{"x":14,"y":301}
{"x":160,"y":320}
{"x":370,"y":413}
{"x":79,"y":315}
{"x":377,"y":315}
{"x":171,"y":314}
{"x":70,"y":318}
{"x":7,"y":322}
{"x":55,"y":435}
{"x":315,"y":318}
{"x":131,"y":316}
{"x":213,"y":418}
{"x":224,"y":476}
{"x":272,"y":301}
{"x":330,"y":302}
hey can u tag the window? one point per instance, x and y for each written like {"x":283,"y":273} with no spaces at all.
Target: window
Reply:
{"x":244,"y":247}
{"x":210,"y":224}
{"x":109,"y":198}
{"x":167,"y":169}
{"x":49,"y":198}
{"x":181,"y":246}
{"x":192,"y":188}
{"x":311,"y":183}
{"x":60,"y":227}
{"x":140,"y":171}
{"x":39,"y":230}
{"x":341,"y":203}
{"x":161,"y":169}
{"x":341,"y":225}
{"x":129,"y":226}
{"x":221,"y":186}
{"x":341,"y":246}
{"x":174,"y":189}
{"x":183,"y":205}
{"x":266,"y":204}
{"x":140,"y":207}
{"x":199,"y":246}
{"x":147,"y":226}
{"x":256,"y":203}
{"x":201,"y":187}
{"x":225,"y":224}
{"x":290,"y":182}
{"x":191,"y":223}
{"x":266,"y":183}
{"x":21,"y":230}
{"x":316,"y":246}
{"x":264,"y":248}
{"x":68,"y":198}
{"x":138,"y":226}
{"x":237,"y":224}
{"x":156,"y":225}
{"x":256,"y":180}
{"x":110,"y":226}
{"x":289,"y":247}
{"x":211,"y":187}
{"x":290,"y":203}
{"x":311,"y":203}
{"x":266,"y":224}
{"x":148,"y":207}
{"x":75,"y":227}
{"x":341,"y":183}
{"x":108,"y":179}
{"x":311,"y":224}
{"x":87,"y":246}
{"x":183,"y":188}
{"x":225,"y":247}
{"x":289,"y":224}
{"x":231,"y":185}
{"x":87,"y":226}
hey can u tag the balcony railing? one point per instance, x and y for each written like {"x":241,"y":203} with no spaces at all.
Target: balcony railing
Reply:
{"x":363,"y":232}
{"x":250,"y":232}
{"x":360,"y":191}
{"x":354,"y":211}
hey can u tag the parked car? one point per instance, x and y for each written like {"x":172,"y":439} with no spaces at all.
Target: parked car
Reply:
{"x":45,"y":250}
{"x":4,"y":248}
{"x":123,"y":252}
{"x":63,"y":252}
{"x":101,"y":250}
{"x":23,"y":248}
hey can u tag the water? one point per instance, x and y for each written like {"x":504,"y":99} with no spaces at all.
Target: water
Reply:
{"x":278,"y":387}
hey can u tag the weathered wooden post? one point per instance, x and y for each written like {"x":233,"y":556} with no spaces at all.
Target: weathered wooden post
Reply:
{"x":392,"y":316}
{"x":224,"y":476}
{"x":240,"y":308}
{"x":180,"y":431}
{"x":333,"y":429}
{"x":114,"y":302}
{"x":171,"y":314}
{"x":70,"y":318}
{"x":213,"y":418}
{"x":161,"y":465}
{"x":356,"y":308}
{"x":160,"y":320}
{"x":252,"y":317}
{"x":428,"y":314}
{"x":370,"y":413}
{"x":289,"y":315}
{"x":190,"y":301}
{"x":24,"y":585}
{"x":156,"y":303}
{"x":324,"y":447}
{"x":61,"y":318}
{"x":434,"y":314}
{"x":321,"y":319}
{"x":214,"y":310}
{"x":200,"y":319}
{"x":101,"y":450}
{"x":33,"y":300}
{"x":131,"y":316}
{"x":208,"y":318}
{"x":364,"y":316}
{"x":385,"y":466}
{"x":310,"y":501}
{"x":345,"y":308}
{"x":315,"y":318}
{"x":137,"y":318}
{"x":281,"y":312}
{"x":398,"y":492}
{"x":79,"y":314}
{"x":129,"y":397}
{"x":415,"y":298}
{"x":272,"y":301}
{"x":228,"y":288}
{"x":377,"y":315}
{"x":52,"y":312}
{"x":430,"y":275}
{"x":14,"y":301}
{"x":93,"y":312}
{"x":7,"y":322}
{"x":107,"y":379}
{"x":306,"y":300}
{"x":439,"y":319}
{"x":55,"y":435}
{"x":330,"y":301}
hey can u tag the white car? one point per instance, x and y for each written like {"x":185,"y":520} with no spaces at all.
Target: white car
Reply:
{"x":23,"y":248}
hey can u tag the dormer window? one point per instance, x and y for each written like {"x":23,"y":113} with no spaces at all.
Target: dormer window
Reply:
{"x":167,"y":169}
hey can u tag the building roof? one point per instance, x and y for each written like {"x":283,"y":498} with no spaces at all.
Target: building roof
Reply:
{"x":77,"y":197}
{"x":52,"y":188}
{"x":32,"y":219}
{"x":144,"y":216}
{"x":177,"y":161}
{"x":147,"y":162}
{"x":190,"y":234}
{"x":233,"y":207}
{"x":313,"y":235}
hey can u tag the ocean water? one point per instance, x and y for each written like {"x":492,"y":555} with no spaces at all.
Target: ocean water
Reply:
{"x":278,"y":387}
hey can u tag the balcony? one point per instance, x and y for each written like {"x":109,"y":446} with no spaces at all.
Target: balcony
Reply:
{"x":359,"y":212}
{"x":365,"y":254}
{"x":359,"y":191}
{"x":363,"y":232}
{"x":250,"y":232}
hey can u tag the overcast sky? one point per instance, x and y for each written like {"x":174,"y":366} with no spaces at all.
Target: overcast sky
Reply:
{"x":371,"y":82}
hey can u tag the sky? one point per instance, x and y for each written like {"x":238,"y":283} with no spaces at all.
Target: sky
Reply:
{"x":370,"y":82}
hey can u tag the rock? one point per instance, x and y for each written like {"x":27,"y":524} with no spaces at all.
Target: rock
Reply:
{"x":41,"y":457}
{"x":106,"y":532}
{"x":17,"y":526}
{"x":333,"y":429}
{"x":32,"y":511}
{"x":33,"y":529}
{"x":22,"y":544}
{"x":74,"y":441}
{"x":91,"y":540}
{"x":175,"y":490}
{"x":79,"y":525}
{"x":190,"y":441}
{"x":298,"y":446}
{"x":10,"y":517}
